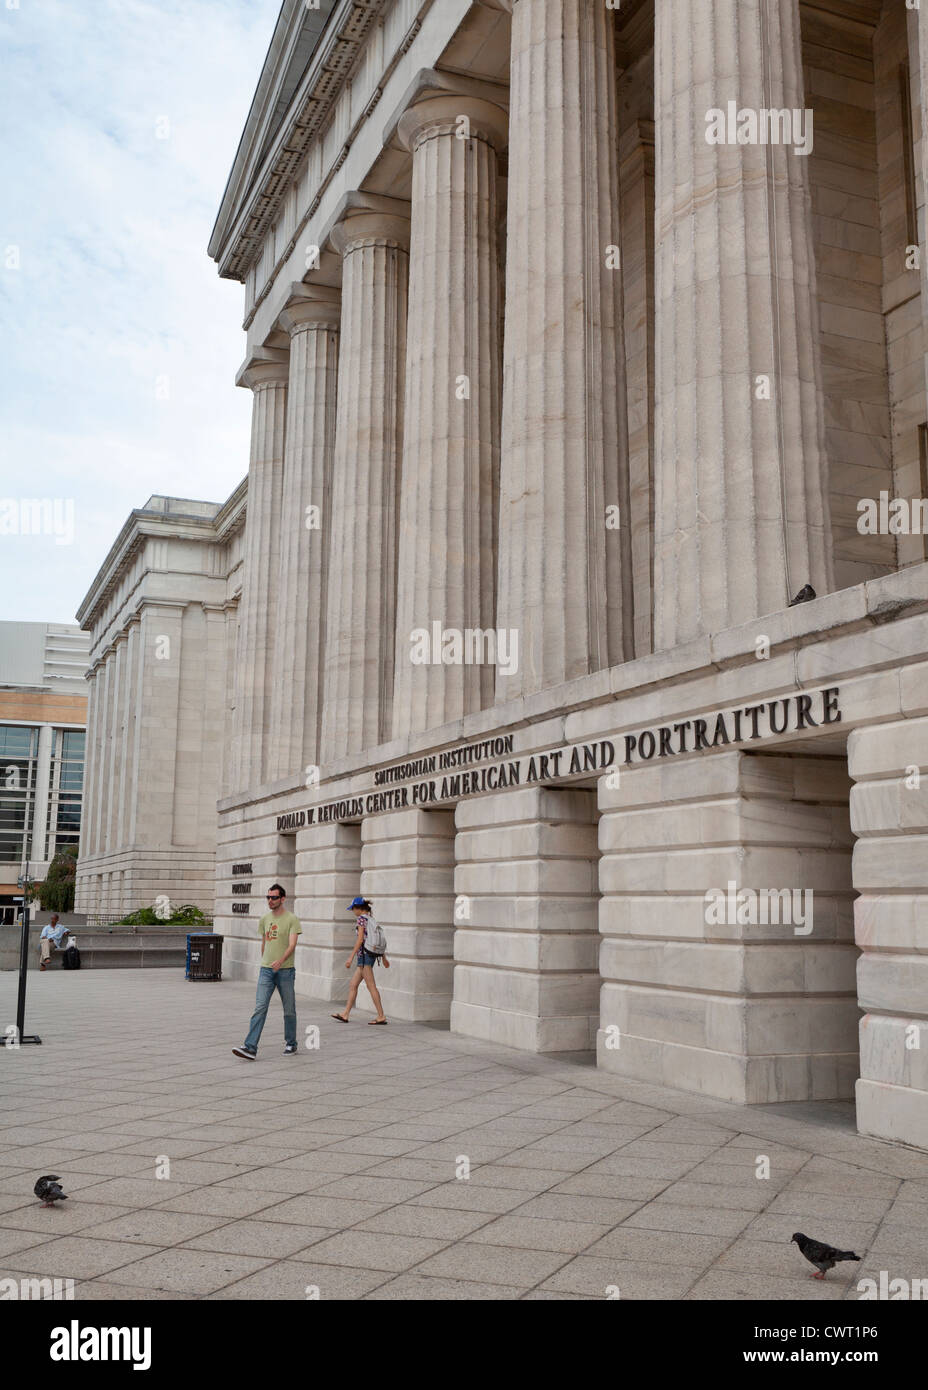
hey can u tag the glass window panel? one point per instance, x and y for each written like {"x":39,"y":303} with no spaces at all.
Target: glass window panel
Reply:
{"x":17,"y":741}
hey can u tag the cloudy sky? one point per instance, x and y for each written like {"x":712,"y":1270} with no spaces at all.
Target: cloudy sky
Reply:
{"x":121,"y":119}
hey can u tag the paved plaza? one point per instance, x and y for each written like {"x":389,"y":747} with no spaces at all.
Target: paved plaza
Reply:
{"x":341,"y":1169}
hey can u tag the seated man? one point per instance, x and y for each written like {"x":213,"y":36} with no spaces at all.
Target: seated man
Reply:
{"x":53,"y":932}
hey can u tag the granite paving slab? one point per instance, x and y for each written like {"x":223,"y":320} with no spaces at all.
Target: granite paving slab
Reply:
{"x":337,"y":1173}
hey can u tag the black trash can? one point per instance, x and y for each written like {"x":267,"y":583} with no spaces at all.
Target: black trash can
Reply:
{"x":204,"y":956}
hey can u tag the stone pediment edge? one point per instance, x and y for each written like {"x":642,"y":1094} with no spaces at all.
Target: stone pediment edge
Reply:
{"x":253,"y":194}
{"x":141,"y":524}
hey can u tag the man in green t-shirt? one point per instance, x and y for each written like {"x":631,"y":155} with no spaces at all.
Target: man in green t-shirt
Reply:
{"x":279,"y":930}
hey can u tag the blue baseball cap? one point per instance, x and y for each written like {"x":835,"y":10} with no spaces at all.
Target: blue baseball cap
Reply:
{"x":357,"y":902}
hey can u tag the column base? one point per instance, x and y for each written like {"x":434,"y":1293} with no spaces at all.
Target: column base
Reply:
{"x":728,"y":1076}
{"x":893,"y":1112}
{"x":416,"y":990}
{"x":524,"y":1031}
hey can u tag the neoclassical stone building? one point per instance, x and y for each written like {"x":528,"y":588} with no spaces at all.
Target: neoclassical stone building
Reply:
{"x":581,"y":339}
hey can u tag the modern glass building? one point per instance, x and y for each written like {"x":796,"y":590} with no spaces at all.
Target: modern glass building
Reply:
{"x":42,"y":717}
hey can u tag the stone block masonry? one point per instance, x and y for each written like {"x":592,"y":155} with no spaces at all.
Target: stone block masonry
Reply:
{"x":747,"y":1011}
{"x":525,"y":929}
{"x":889,"y":816}
{"x":407,"y":869}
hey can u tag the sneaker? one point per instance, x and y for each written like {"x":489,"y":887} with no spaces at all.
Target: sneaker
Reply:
{"x":289,"y":1049}
{"x":245,"y":1052}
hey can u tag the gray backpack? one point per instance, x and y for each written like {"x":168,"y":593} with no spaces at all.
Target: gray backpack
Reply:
{"x":374,"y":940}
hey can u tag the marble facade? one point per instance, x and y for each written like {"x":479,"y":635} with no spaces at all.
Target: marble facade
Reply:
{"x":533,"y":360}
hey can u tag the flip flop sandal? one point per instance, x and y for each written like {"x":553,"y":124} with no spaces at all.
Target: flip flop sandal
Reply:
{"x":377,"y":1022}
{"x":340,"y":1019}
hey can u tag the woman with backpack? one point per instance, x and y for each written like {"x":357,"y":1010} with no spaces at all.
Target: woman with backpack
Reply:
{"x":369,"y":948}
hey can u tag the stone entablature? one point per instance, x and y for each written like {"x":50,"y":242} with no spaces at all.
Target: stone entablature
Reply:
{"x":705,"y":675}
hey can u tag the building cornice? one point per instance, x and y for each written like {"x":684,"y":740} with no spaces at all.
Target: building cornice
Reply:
{"x":256,"y":186}
{"x":143,"y":524}
{"x":231,"y":516}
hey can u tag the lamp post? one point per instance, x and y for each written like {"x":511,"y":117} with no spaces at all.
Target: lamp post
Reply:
{"x":25,"y":884}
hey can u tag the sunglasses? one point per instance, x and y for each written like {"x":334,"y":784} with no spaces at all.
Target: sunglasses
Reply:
{"x":273,"y":897}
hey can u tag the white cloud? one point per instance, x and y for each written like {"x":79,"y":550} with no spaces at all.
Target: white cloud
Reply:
{"x":116,"y":295}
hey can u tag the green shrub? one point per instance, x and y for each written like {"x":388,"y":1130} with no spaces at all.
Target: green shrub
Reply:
{"x":56,"y":894}
{"x":187,"y":915}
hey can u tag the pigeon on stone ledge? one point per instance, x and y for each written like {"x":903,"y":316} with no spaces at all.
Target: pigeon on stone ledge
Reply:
{"x":824,"y":1257}
{"x":806,"y":595}
{"x":49,"y":1189}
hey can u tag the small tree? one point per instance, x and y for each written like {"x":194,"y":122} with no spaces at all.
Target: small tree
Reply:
{"x":56,"y":894}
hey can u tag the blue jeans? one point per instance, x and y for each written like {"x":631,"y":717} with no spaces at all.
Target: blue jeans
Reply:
{"x":268,"y":980}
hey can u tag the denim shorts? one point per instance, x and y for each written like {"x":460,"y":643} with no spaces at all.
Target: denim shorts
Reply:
{"x":367,"y":958}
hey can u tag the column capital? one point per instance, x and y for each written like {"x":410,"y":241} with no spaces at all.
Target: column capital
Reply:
{"x":310,"y":306}
{"x":370,"y":229}
{"x":491,"y":98}
{"x":442,"y":115}
{"x":264,"y":367}
{"x":355,"y":204}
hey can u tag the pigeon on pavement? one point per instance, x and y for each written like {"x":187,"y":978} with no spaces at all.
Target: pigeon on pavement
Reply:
{"x":49,"y":1189}
{"x":824,"y":1257}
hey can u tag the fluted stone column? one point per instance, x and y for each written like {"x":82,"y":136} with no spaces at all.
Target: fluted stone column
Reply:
{"x":229,"y":707}
{"x":257,"y":611}
{"x":636,"y":181}
{"x":361,"y":608}
{"x":106,"y":750}
{"x":564,"y":576}
{"x":449,"y":493}
{"x":161,"y":639}
{"x":95,"y":801}
{"x":305,"y":526}
{"x":741,"y":508}
{"x":85,"y":880}
{"x":114,"y":828}
{"x":129,"y":780}
{"x":923,"y":148}
{"x":91,"y":762}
